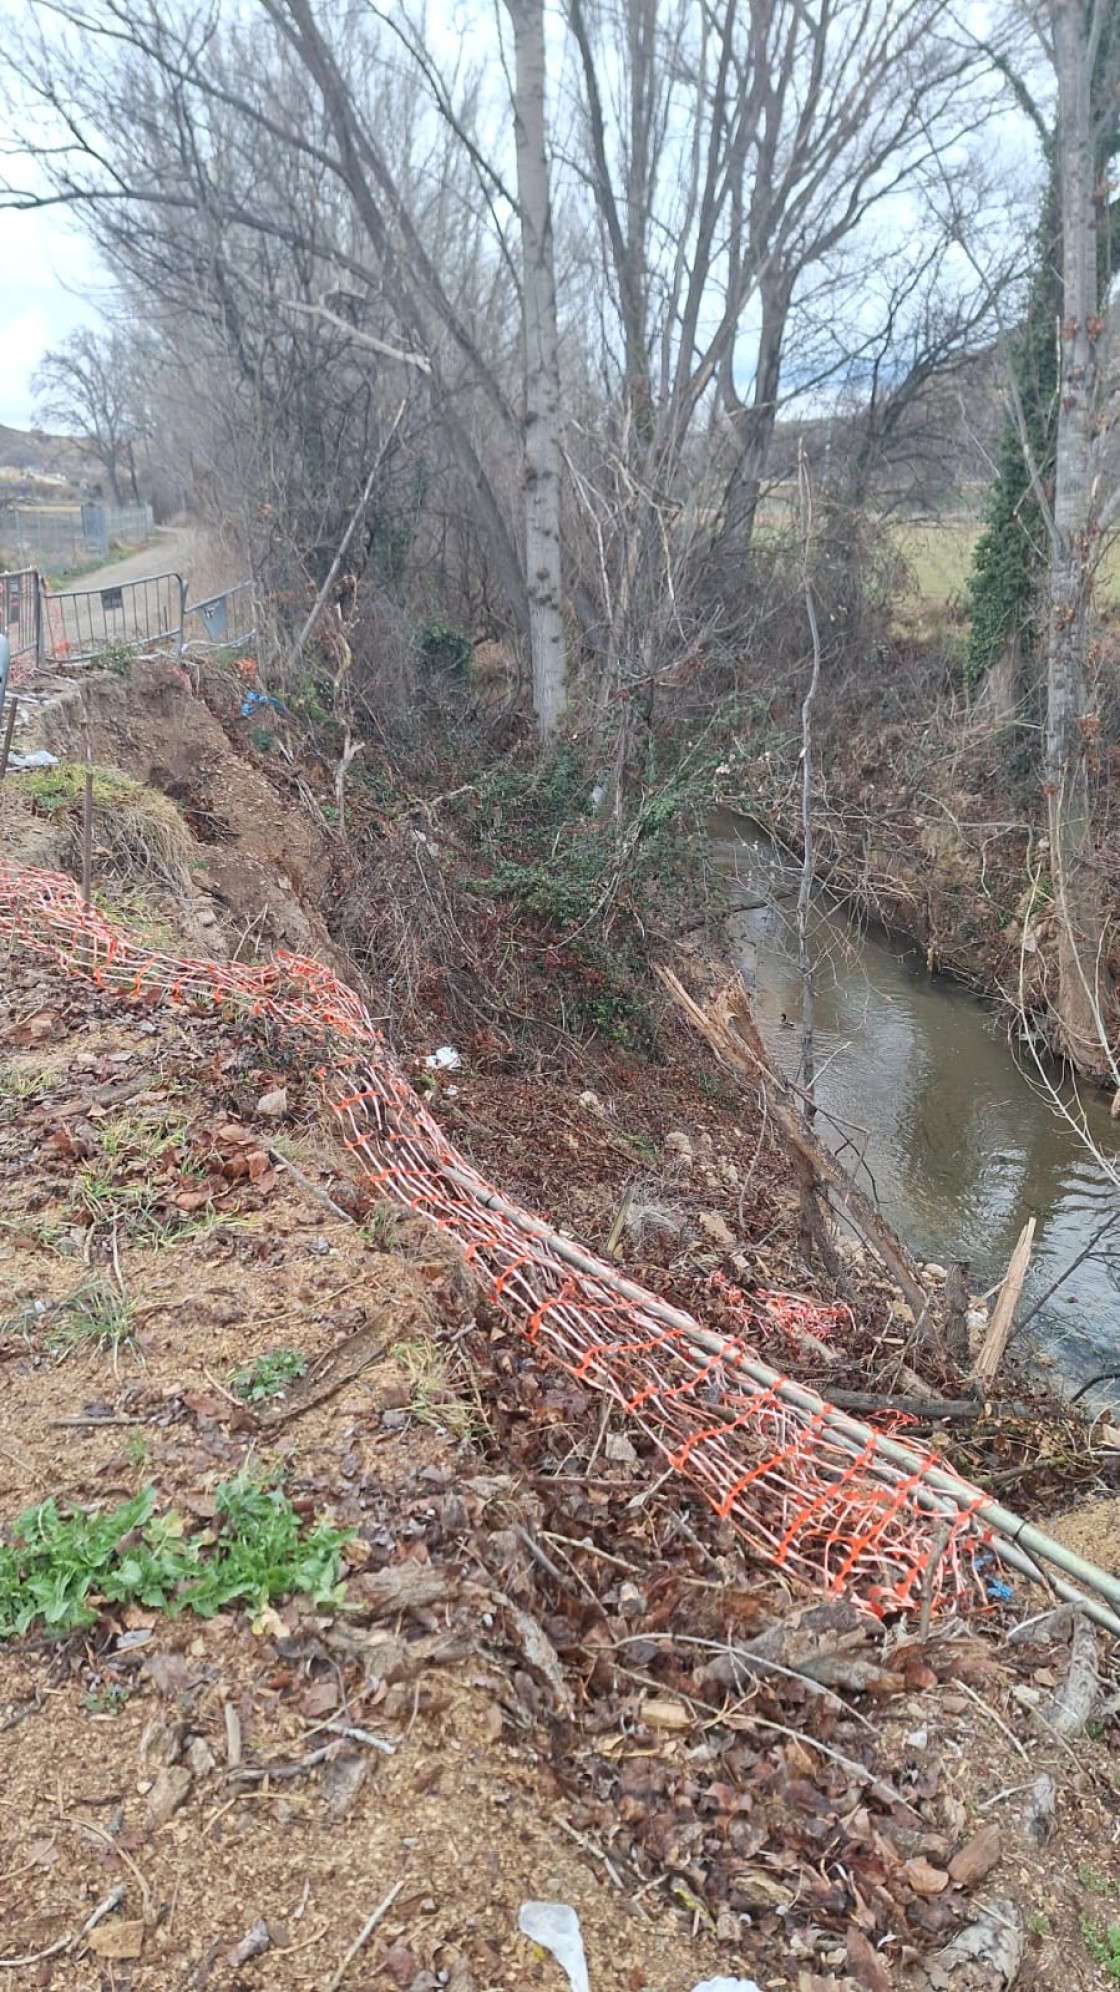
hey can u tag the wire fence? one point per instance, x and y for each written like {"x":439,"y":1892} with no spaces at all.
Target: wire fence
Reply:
{"x":54,"y":538}
{"x":838,"y":1506}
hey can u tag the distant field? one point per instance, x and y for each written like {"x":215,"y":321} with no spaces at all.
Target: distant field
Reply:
{"x":939,"y":557}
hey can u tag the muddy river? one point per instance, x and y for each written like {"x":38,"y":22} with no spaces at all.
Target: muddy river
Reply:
{"x":958,"y":1139}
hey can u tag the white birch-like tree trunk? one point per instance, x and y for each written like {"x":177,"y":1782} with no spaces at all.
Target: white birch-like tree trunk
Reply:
{"x":543,"y":575}
{"x":1084,"y":999}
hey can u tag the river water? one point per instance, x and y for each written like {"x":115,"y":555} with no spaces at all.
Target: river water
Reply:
{"x":960,"y":1144}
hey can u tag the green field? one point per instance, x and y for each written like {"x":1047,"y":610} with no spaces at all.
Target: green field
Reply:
{"x":939,"y":555}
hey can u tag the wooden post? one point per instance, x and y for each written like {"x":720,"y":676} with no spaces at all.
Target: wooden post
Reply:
{"x":1003,"y":1313}
{"x":87,"y":837}
{"x":9,"y":729}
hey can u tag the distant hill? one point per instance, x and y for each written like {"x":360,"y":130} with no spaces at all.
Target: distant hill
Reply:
{"x":34,"y":450}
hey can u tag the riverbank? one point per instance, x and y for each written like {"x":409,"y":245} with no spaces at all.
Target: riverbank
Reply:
{"x":929,"y":821}
{"x":582,"y":1672}
{"x":958,"y":1138}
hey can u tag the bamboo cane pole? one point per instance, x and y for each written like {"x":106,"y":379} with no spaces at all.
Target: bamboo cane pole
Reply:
{"x":1017,"y":1542}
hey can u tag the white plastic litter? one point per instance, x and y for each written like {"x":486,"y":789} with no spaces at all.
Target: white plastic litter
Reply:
{"x":555,"y":1926}
{"x":727,"y":1985}
{"x":446,"y":1059}
{"x":39,"y":759}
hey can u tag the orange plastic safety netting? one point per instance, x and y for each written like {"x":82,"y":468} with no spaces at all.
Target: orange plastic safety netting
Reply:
{"x":840,"y":1507}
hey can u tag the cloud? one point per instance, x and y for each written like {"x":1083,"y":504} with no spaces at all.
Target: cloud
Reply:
{"x":51,"y":284}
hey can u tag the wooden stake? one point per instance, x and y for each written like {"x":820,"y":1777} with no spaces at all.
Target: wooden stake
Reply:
{"x":1003,"y":1313}
{"x":9,"y":729}
{"x":87,"y":838}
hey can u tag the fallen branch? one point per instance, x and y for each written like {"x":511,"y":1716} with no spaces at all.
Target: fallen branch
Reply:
{"x":337,"y":1367}
{"x":308,"y":1187}
{"x":1003,"y":1313}
{"x":1069,"y":1709}
{"x":729,"y":1028}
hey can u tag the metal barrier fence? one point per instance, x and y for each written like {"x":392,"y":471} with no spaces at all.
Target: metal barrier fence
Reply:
{"x":77,"y":625}
{"x":21,"y":616}
{"x":80,"y":624}
{"x":221,"y":620}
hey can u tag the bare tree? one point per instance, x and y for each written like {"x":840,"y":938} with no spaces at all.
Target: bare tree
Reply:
{"x":731,"y":152}
{"x":1078,"y":31}
{"x":543,"y":460}
{"x":697,"y":167}
{"x":88,"y":386}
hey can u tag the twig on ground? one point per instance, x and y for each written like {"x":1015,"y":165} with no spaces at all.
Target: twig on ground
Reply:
{"x":221,"y":1389}
{"x":108,"y":1903}
{"x":589,"y":1847}
{"x":364,"y":1934}
{"x":311,"y":1189}
{"x":99,"y":1833}
{"x":1000,"y":1724}
{"x":752,"y":1721}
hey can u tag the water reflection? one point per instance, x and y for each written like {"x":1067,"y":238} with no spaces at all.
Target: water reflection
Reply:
{"x":958,"y":1144}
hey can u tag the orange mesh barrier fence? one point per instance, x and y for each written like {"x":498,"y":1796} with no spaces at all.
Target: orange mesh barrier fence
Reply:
{"x":840,"y":1507}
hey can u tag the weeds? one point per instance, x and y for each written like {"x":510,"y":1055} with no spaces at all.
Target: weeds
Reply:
{"x":107,"y":1700}
{"x":381,"y":1230}
{"x":1102,"y":1941}
{"x":123,"y":1189}
{"x":137,"y":831}
{"x":63,"y":1569}
{"x":435,"y":1401}
{"x":143,"y":1138}
{"x":118,"y":658}
{"x":270,"y":1376}
{"x":96,"y":1316}
{"x":18,"y":1088}
{"x":97,"y":1198}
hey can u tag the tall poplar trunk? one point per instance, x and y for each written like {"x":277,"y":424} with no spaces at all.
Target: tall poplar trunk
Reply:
{"x":547,"y":643}
{"x":1084,"y":998}
{"x":756,"y":422}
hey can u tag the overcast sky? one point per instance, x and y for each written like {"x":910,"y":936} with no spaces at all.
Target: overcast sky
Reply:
{"x":49,"y":283}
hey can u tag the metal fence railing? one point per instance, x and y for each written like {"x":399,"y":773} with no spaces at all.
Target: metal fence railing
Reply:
{"x":80,"y":624}
{"x":221,"y":620}
{"x":21,"y":615}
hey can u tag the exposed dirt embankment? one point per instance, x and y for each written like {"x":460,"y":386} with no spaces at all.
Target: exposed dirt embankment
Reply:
{"x":935,"y":829}
{"x":259,"y":860}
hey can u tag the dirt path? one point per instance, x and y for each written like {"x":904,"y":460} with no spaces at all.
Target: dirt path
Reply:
{"x":127,"y":601}
{"x":172,"y":551}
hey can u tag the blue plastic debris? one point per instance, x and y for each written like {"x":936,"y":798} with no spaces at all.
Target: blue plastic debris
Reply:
{"x":254,"y":700}
{"x":997,"y":1588}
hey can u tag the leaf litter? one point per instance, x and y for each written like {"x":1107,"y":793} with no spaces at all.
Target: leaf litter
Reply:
{"x":548,"y":1677}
